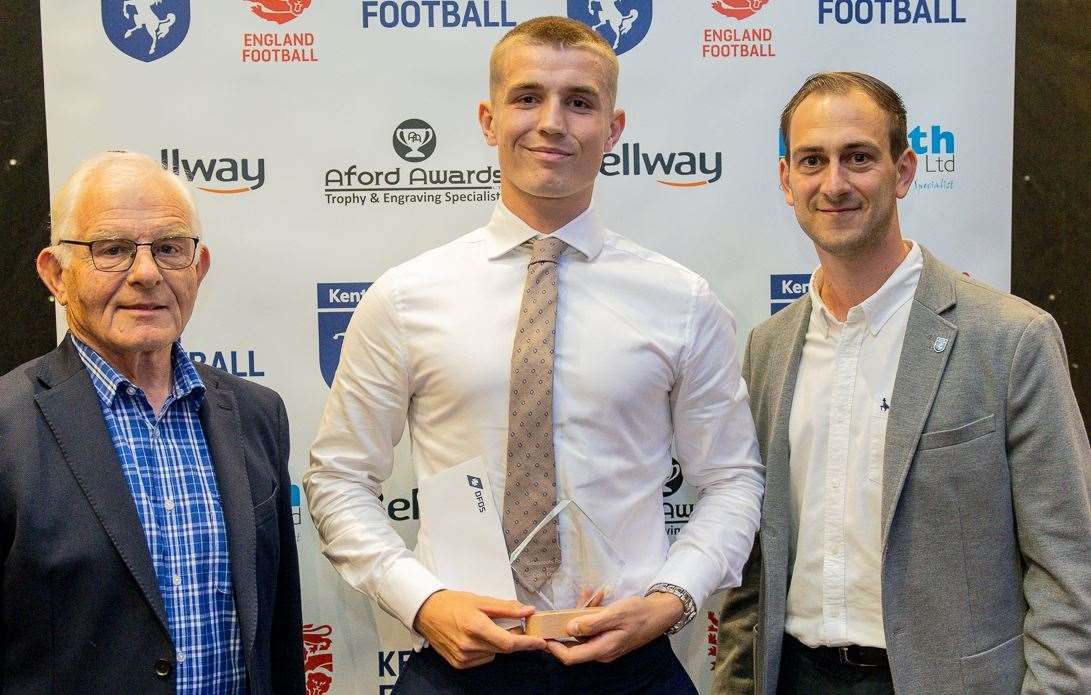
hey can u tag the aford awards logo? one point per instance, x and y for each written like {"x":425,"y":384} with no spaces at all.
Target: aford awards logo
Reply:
{"x":738,"y":9}
{"x":279,"y":11}
{"x":392,"y":183}
{"x":623,"y":23}
{"x":145,"y":29}
{"x":414,"y":140}
{"x":318,"y":658}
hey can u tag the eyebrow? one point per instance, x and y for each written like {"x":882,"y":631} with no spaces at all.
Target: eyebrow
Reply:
{"x":807,"y":150}
{"x":538,"y":86}
{"x":161,"y":234}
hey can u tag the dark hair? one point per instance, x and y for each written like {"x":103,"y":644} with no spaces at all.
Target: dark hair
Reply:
{"x":843,"y":82}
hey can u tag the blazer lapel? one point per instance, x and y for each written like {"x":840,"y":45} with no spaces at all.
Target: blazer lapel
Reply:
{"x":73,"y":412}
{"x":223,"y":432}
{"x":929,"y":339}
{"x":782,"y":386}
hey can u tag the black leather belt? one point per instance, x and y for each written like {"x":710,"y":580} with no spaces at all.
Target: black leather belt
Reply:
{"x":852,"y":655}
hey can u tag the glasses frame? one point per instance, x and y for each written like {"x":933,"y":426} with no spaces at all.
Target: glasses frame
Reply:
{"x":136,"y":249}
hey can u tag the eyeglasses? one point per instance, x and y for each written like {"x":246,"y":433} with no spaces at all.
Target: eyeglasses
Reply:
{"x":117,"y":255}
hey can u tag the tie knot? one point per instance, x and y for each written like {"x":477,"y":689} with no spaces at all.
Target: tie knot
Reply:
{"x":546,"y":249}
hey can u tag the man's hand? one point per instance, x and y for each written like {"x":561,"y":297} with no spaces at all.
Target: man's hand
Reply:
{"x":619,"y":628}
{"x":459,"y":626}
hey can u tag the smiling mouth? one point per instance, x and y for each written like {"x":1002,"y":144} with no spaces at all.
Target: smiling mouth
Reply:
{"x":548,"y":153}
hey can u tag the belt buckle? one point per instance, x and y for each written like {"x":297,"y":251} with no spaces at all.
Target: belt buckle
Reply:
{"x":844,"y":656}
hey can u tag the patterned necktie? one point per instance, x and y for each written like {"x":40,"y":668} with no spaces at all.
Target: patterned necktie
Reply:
{"x":531,"y":488}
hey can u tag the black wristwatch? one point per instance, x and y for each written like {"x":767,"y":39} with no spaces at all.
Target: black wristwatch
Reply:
{"x":689,"y":608}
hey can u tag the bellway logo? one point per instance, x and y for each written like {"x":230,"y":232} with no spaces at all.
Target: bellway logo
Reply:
{"x":336,"y":302}
{"x":889,"y":12}
{"x":278,"y":47}
{"x":414,"y":141}
{"x":785,"y":289}
{"x":623,"y":23}
{"x":219,"y":174}
{"x":436,"y":14}
{"x":146,"y":29}
{"x":735,"y":41}
{"x":699,"y":168}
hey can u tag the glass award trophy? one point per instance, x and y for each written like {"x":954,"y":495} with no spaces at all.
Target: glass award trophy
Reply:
{"x":591,"y":570}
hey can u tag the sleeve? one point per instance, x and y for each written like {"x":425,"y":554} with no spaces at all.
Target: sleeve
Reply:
{"x":353,"y":454}
{"x":717,"y":448}
{"x":1050,"y":465}
{"x":287,"y":629}
{"x":733,"y":672}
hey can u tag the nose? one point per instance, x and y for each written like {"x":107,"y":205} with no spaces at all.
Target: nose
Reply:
{"x":551,"y":117}
{"x":144,"y":271}
{"x":835,"y":181}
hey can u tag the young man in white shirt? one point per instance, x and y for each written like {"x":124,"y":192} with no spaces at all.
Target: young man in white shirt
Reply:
{"x":632,"y":353}
{"x":926,"y":523}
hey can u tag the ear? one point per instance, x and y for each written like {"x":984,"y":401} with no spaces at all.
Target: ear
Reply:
{"x":484,"y":117}
{"x":906,"y":166}
{"x":617,"y":127}
{"x":783,"y":175}
{"x":52,"y":274}
{"x":204,"y":260}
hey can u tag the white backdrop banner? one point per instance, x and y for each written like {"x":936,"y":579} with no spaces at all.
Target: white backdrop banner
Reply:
{"x":328,"y":141}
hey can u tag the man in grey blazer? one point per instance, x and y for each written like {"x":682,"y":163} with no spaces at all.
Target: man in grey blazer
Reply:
{"x":926,"y":526}
{"x":146,"y":537}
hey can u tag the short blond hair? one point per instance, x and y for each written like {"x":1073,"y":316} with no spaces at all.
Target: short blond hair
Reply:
{"x":559,"y":32}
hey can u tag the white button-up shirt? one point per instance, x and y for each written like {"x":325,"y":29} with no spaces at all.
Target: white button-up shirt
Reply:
{"x":837,"y":431}
{"x":645,"y":358}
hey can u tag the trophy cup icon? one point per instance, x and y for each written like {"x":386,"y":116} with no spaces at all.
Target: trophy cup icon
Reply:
{"x":414,"y":139}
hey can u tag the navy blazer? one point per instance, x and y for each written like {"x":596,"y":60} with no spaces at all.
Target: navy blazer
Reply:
{"x":80,"y":611}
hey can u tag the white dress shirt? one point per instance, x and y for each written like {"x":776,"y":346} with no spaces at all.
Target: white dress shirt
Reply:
{"x":645,"y":357}
{"x":837,"y":432}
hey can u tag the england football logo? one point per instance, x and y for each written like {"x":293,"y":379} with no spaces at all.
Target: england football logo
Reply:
{"x":623,"y":23}
{"x":146,"y":29}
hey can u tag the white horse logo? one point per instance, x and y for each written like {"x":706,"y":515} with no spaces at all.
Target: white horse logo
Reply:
{"x":609,"y":15}
{"x":144,"y":17}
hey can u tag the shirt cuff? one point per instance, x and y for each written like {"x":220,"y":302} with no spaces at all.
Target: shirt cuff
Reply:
{"x":689,"y":571}
{"x":405,"y":588}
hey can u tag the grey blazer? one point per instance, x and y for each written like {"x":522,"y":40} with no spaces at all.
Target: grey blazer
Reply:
{"x":986,"y":520}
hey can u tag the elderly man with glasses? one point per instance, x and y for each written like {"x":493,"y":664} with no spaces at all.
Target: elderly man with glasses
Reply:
{"x":146,"y":538}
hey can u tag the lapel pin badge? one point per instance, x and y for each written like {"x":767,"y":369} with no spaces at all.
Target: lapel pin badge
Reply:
{"x":940,"y":345}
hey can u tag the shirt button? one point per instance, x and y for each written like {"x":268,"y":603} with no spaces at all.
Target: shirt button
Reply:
{"x":169,"y":504}
{"x":130,"y":390}
{"x":181,"y":656}
{"x":177,"y":581}
{"x":162,"y":668}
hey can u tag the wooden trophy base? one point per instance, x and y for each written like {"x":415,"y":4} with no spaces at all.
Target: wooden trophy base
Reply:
{"x":551,"y":624}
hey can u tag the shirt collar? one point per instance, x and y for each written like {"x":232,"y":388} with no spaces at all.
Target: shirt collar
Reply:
{"x":107,"y":381}
{"x":884,"y":303}
{"x":506,"y":231}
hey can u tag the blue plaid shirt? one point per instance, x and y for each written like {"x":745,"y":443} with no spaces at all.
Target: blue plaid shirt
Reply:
{"x":169,"y":472}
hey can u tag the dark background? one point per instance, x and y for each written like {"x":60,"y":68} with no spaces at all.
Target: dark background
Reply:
{"x":1051,"y":242}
